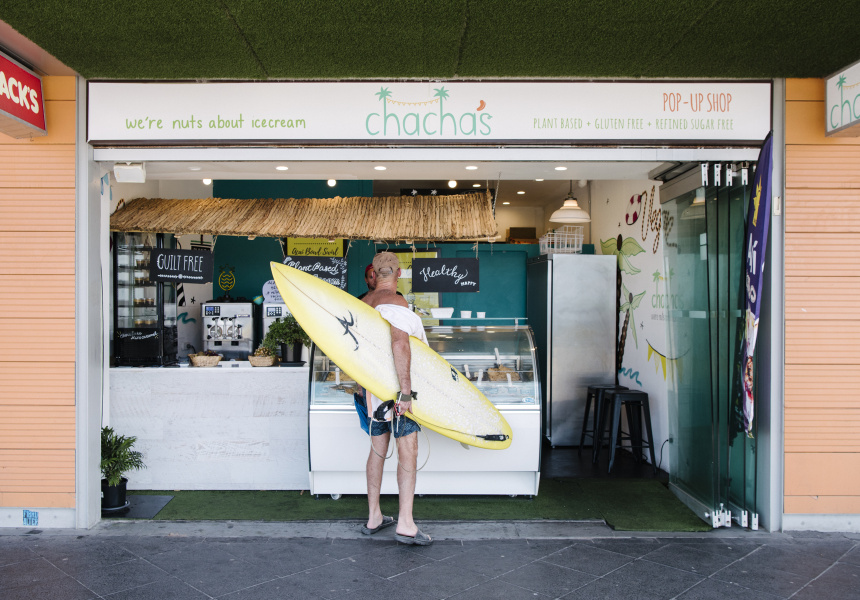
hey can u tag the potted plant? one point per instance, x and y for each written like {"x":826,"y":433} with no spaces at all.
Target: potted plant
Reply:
{"x":287,"y":334}
{"x":117,"y":459}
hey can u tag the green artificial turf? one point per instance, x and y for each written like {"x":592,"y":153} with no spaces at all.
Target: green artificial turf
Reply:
{"x":321,"y":39}
{"x":625,"y":504}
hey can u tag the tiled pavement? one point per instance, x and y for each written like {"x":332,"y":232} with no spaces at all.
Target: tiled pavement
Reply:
{"x":468,"y":561}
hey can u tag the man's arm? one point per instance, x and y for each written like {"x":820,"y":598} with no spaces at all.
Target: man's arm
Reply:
{"x":402,"y":362}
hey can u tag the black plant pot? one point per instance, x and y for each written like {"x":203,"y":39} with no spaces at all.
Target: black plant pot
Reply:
{"x":291,"y":353}
{"x":113,"y":496}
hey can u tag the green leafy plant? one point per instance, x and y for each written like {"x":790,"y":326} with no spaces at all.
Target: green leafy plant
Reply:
{"x":285,"y":331}
{"x":117,"y":456}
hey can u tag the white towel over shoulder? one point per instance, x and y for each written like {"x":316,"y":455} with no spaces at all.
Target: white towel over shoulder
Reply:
{"x":405,"y":320}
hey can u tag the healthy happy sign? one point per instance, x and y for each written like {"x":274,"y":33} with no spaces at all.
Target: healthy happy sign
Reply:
{"x":445,"y":275}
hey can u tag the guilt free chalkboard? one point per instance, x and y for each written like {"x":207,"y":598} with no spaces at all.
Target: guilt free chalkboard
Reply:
{"x":445,"y":275}
{"x":180,"y":266}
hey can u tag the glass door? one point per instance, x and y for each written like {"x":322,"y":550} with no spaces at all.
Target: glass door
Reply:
{"x":713,"y":461}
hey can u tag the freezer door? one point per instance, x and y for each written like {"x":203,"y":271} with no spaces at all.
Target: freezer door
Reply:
{"x":581,"y":348}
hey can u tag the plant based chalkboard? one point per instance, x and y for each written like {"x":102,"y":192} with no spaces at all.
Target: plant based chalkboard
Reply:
{"x":330,"y":270}
{"x":180,"y":266}
{"x":445,"y":275}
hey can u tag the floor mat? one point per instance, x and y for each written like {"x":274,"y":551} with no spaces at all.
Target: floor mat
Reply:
{"x":625,"y":504}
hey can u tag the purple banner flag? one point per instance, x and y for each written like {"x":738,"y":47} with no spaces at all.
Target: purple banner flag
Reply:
{"x":758,"y":222}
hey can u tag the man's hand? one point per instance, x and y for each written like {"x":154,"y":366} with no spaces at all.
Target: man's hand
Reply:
{"x":403,"y":407}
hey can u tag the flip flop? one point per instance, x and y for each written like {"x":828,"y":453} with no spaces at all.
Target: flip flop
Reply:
{"x":386,"y":522}
{"x":419,"y":539}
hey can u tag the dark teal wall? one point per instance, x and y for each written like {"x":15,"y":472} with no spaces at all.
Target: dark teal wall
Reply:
{"x":502,"y":270}
{"x":285,"y":188}
{"x":250,"y":259}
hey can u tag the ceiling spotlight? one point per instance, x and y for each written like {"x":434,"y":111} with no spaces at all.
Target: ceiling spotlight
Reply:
{"x":561,"y":168}
{"x":505,"y":202}
{"x":452,"y":183}
{"x":520,"y":193}
{"x":194,"y":168}
{"x":476,"y":185}
{"x":570,"y":211}
{"x":332,"y":182}
{"x":538,"y":179}
{"x":471,"y":168}
{"x":380,"y":168}
{"x":282,"y":168}
{"x":207,"y":182}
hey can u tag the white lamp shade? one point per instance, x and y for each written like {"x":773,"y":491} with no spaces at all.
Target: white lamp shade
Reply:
{"x":130,"y":173}
{"x":570,"y":213}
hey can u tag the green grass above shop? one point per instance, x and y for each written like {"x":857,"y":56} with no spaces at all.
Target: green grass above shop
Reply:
{"x":625,"y":505}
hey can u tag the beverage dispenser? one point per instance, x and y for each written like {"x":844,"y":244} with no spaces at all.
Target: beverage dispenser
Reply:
{"x":272,"y":311}
{"x":228,"y":328}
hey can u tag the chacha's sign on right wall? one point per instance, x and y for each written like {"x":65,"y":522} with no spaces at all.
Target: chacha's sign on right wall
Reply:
{"x":842,"y":102}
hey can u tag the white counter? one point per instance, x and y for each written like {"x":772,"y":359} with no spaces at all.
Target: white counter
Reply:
{"x":214,"y":428}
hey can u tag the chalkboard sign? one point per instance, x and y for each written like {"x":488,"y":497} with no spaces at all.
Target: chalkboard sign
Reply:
{"x":180,"y":266}
{"x":330,"y":270}
{"x":445,"y":275}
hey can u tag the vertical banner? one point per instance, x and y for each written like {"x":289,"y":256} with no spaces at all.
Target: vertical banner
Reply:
{"x":758,"y":222}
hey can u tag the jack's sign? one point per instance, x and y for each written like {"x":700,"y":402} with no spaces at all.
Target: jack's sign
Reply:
{"x":22,"y":108}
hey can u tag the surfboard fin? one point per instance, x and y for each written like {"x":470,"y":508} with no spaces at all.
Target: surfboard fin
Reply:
{"x":465,"y":445}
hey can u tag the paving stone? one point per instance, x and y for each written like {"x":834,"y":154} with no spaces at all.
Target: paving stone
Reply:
{"x":493,"y":560}
{"x":439,"y":550}
{"x":146,"y":545}
{"x":635,"y":547}
{"x":64,"y":588}
{"x":28,"y":572}
{"x":786,"y":558}
{"x":283,"y":557}
{"x":605,"y":589}
{"x":713,"y":589}
{"x":548,"y":579}
{"x":588,"y":559}
{"x":689,"y":558}
{"x":211,"y":569}
{"x":852,"y":556}
{"x":14,"y":551}
{"x":653,"y":579}
{"x":441,"y":579}
{"x":335,"y":580}
{"x":388,"y":561}
{"x":278,"y":589}
{"x":123,"y":576}
{"x":762,"y":578}
{"x":166,"y":589}
{"x":77,"y":556}
{"x":842,"y":580}
{"x":496,"y":589}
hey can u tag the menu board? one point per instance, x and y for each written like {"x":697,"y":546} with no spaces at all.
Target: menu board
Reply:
{"x":445,"y":275}
{"x":169,"y":265}
{"x":331,"y":270}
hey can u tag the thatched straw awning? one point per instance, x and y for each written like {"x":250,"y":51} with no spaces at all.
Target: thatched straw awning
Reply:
{"x":419,"y":218}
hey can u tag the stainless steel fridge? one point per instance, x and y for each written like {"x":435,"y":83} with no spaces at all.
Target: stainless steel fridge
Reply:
{"x":570,"y":305}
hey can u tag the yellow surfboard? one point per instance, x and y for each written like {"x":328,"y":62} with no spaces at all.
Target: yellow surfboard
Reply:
{"x":358,"y":340}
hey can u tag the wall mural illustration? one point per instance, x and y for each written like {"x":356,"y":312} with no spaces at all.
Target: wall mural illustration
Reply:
{"x":623,"y":249}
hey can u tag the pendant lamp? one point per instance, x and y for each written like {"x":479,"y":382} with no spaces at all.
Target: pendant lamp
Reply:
{"x":570,"y":212}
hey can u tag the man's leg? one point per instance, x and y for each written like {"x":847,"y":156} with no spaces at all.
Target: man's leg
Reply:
{"x":407,"y":453}
{"x":375,"y":464}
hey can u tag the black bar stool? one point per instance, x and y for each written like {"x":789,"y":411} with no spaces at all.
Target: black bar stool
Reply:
{"x":636,"y":404}
{"x":595,"y":432}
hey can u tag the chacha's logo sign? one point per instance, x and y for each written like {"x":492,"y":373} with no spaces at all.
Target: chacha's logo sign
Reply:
{"x":426,"y":117}
{"x":22,"y":108}
{"x":843,"y":102}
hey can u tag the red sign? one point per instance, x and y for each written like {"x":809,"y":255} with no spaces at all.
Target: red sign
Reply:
{"x":22,"y":108}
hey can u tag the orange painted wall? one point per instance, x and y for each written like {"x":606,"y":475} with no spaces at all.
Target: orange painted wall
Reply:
{"x":822,"y":325}
{"x":37,"y":309}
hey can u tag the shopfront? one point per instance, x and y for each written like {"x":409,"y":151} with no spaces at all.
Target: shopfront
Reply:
{"x":615,"y":144}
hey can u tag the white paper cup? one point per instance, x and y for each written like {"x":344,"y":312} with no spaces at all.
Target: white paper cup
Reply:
{"x":482,"y":315}
{"x":466,"y":314}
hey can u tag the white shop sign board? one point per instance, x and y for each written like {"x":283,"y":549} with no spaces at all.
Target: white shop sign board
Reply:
{"x":419,"y":113}
{"x":842,"y":102}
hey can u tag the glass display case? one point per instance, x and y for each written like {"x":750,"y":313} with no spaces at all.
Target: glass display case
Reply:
{"x":499,"y":360}
{"x":145,"y":330}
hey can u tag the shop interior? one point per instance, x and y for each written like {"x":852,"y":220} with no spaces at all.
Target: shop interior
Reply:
{"x":622,"y":199}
